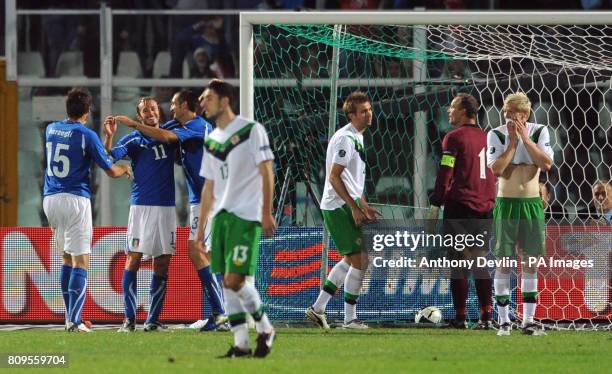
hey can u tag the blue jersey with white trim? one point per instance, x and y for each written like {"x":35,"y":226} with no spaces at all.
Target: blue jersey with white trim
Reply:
{"x":153,"y":165}
{"x":191,"y":139}
{"x":71,"y":147}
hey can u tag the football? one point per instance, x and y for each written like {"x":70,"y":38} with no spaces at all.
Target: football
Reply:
{"x":431,"y":314}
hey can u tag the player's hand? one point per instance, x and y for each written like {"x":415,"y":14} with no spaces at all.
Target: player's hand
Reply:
{"x":110,"y":126}
{"x":512,"y":131}
{"x":199,"y":239}
{"x":371,"y":213}
{"x":268,"y":224}
{"x":129,"y":173}
{"x":358,"y":216}
{"x":126,"y":121}
{"x":521,"y":130}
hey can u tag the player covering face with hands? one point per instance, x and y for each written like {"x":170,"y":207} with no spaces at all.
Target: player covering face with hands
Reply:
{"x":345,"y":210}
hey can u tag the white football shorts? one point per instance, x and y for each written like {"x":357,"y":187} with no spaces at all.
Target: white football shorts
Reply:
{"x":194,"y":217}
{"x":151,"y":230}
{"x":69,"y":217}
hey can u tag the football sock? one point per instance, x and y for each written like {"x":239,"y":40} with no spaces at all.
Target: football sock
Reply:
{"x":459,"y":290}
{"x":252,"y":303}
{"x":211,"y":289}
{"x":219,"y":280}
{"x":352,"y":287}
{"x":65,"y":279}
{"x":157,"y":294}
{"x":77,"y":286}
{"x":236,"y":314}
{"x":129,"y":285}
{"x":484,"y":292}
{"x":334,"y":280}
{"x":501,"y":283}
{"x":529,"y":288}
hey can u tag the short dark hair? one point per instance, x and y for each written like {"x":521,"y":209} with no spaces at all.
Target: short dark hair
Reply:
{"x":469,"y":103}
{"x":223,"y":89}
{"x":78,"y":102}
{"x":187,"y":96}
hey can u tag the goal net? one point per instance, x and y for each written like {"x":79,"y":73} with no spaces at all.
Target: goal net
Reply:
{"x":302,"y":71}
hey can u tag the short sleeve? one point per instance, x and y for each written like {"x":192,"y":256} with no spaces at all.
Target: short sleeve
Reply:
{"x":121,"y":149}
{"x":494,"y":148}
{"x":97,"y":151}
{"x":260,"y":144}
{"x":544,"y":143}
{"x":185,"y":133}
{"x":206,"y":169}
{"x":342,"y":150}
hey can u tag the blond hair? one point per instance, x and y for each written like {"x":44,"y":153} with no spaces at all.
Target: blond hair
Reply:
{"x":351,"y":102}
{"x":518,"y":101}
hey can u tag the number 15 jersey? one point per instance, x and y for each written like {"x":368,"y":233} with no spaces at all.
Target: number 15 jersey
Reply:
{"x":231,"y":160}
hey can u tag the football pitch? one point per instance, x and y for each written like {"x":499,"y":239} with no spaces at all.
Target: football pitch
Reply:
{"x":308,"y":350}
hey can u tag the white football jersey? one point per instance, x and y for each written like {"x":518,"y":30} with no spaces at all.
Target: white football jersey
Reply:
{"x":231,"y":159}
{"x":498,"y":141}
{"x":345,"y":148}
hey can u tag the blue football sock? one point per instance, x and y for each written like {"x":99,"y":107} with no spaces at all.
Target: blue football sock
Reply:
{"x":129,"y":284}
{"x":77,"y":287}
{"x":219,"y":279}
{"x":211,"y":290}
{"x":157,"y":295}
{"x":65,"y":279}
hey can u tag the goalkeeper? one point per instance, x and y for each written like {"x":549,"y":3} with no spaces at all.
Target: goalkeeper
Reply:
{"x":466,"y":188}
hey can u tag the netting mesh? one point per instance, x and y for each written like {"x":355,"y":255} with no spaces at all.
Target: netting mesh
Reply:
{"x":411,"y":73}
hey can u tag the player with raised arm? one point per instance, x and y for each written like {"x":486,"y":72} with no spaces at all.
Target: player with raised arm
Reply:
{"x":71,"y":148}
{"x":466,"y":188}
{"x":344,"y":210}
{"x":188,"y":130}
{"x":238,"y":191}
{"x":152,"y":219}
{"x":517,"y":152}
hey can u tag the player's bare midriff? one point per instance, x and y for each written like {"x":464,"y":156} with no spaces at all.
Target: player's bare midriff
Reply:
{"x":519,"y":181}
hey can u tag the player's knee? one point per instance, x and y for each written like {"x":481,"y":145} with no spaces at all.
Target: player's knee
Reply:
{"x":161,"y":265}
{"x":233,"y":281}
{"x":132,"y":262}
{"x":67,"y":258}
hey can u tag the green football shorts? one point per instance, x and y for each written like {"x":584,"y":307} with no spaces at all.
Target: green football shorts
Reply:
{"x":340,"y":224}
{"x":519,"y":221}
{"x":235,"y":244}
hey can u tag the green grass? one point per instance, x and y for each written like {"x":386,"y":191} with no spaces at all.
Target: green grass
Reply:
{"x":310,"y":350}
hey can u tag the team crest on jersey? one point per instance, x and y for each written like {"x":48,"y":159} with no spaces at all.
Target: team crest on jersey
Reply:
{"x":235,"y":139}
{"x":135,"y":242}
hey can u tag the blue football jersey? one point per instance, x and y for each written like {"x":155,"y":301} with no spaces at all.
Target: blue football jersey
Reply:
{"x":191,"y":139}
{"x":153,"y":165}
{"x":71,"y":147}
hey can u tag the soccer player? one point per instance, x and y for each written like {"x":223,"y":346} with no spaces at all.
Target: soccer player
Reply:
{"x":71,"y":148}
{"x":344,"y":210}
{"x":238,"y":191}
{"x":602,"y":201}
{"x":152,"y":219}
{"x":517,"y":152}
{"x":466,"y":188}
{"x":188,"y":130}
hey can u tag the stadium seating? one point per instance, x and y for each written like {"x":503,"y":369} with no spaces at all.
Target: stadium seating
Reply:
{"x":70,"y":64}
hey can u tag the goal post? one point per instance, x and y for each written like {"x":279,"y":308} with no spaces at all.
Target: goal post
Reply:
{"x":297,"y":67}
